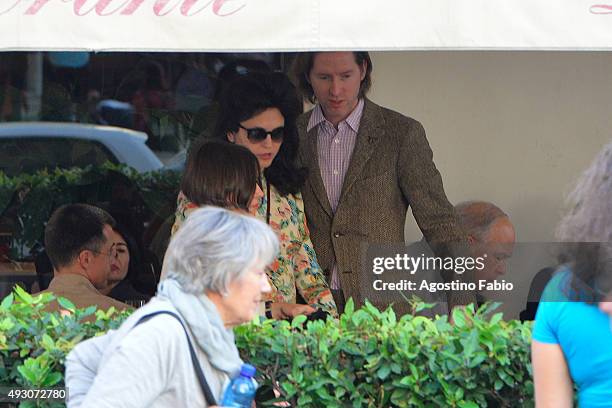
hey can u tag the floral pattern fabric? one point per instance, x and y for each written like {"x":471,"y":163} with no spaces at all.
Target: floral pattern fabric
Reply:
{"x":296,"y":268}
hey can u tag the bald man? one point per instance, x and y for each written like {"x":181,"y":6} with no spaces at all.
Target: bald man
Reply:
{"x":489,"y":232}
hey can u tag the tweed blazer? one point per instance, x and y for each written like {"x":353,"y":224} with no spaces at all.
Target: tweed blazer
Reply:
{"x":391,"y":168}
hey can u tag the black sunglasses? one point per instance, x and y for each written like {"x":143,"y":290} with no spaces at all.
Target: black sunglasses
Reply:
{"x":257,"y":134}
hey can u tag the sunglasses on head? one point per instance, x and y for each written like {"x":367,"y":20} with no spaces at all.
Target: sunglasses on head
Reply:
{"x":258,"y":134}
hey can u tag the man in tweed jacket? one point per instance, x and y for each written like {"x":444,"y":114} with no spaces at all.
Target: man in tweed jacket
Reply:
{"x":367,"y":165}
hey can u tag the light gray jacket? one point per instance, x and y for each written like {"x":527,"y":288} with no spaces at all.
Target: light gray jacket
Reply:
{"x":144,"y":366}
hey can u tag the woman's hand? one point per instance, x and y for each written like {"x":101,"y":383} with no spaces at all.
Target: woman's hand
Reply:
{"x":289,"y":310}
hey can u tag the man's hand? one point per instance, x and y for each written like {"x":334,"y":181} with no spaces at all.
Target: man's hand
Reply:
{"x":289,"y":310}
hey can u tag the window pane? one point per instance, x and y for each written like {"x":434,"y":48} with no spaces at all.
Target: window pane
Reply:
{"x":27,"y":155}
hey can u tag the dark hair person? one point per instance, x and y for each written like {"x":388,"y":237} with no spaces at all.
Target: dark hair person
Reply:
{"x":221,"y":174}
{"x":572,"y":337}
{"x":258,"y":111}
{"x":275,"y":97}
{"x":72,"y":229}
{"x":78,"y":241}
{"x":126,"y":270}
{"x":218,"y":174}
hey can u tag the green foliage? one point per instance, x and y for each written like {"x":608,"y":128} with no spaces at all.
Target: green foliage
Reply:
{"x":34,"y":343}
{"x":367,"y":358}
{"x":35,"y":196}
{"x":370,"y":358}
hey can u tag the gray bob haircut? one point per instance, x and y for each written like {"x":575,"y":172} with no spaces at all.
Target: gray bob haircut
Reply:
{"x":215,"y":247}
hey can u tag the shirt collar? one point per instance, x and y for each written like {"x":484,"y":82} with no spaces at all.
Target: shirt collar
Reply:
{"x":353,"y":120}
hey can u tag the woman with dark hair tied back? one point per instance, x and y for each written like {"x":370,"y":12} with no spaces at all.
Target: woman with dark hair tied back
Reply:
{"x":572,"y":338}
{"x":259,"y":111}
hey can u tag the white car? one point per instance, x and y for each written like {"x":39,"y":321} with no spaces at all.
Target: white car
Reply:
{"x":26,"y":147}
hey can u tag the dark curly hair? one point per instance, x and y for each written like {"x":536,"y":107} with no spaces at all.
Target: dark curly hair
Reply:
{"x":248,"y":96}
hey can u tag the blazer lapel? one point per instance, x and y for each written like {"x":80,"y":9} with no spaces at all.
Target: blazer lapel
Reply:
{"x":371,"y":130}
{"x":310,"y":157}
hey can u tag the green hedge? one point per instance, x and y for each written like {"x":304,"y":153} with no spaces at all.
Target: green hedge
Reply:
{"x":34,"y":343}
{"x":367,"y":358}
{"x":371,"y":359}
{"x":29,"y":199}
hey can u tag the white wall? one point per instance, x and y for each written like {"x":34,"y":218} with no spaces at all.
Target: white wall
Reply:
{"x":514,"y":128}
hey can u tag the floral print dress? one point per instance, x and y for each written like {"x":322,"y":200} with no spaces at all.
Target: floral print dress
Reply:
{"x":296,"y":268}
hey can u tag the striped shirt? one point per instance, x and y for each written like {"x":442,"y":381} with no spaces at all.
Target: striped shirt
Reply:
{"x":335,"y":148}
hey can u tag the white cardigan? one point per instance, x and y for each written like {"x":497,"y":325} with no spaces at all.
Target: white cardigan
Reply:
{"x":144,"y":366}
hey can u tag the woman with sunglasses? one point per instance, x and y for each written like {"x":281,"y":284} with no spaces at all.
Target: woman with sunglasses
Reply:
{"x":258,"y":111}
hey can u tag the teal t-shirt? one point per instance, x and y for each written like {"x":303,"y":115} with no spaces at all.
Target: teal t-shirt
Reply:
{"x":585,"y":336}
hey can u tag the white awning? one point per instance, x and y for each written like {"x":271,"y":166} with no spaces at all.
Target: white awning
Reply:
{"x":296,"y":25}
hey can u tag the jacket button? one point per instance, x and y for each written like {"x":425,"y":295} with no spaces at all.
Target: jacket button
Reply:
{"x":337,"y":235}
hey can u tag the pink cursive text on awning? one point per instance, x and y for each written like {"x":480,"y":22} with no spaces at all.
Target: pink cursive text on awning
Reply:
{"x":161,"y":8}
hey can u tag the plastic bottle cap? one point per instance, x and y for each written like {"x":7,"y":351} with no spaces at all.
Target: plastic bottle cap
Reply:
{"x":248,"y":370}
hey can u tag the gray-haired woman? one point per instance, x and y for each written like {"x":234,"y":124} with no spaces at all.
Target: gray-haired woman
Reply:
{"x":215,"y":279}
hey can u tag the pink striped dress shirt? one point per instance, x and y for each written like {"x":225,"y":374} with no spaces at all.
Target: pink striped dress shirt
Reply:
{"x":335,"y":148}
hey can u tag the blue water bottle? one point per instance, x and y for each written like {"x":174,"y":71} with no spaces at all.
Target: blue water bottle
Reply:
{"x":240,"y":392}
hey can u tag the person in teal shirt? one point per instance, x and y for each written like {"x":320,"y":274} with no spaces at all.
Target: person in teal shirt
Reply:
{"x":584,"y":335}
{"x":572,"y":337}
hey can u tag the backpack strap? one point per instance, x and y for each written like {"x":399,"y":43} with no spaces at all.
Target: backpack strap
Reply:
{"x":210,"y":399}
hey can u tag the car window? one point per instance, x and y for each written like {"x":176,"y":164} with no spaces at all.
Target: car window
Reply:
{"x":30,"y":154}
